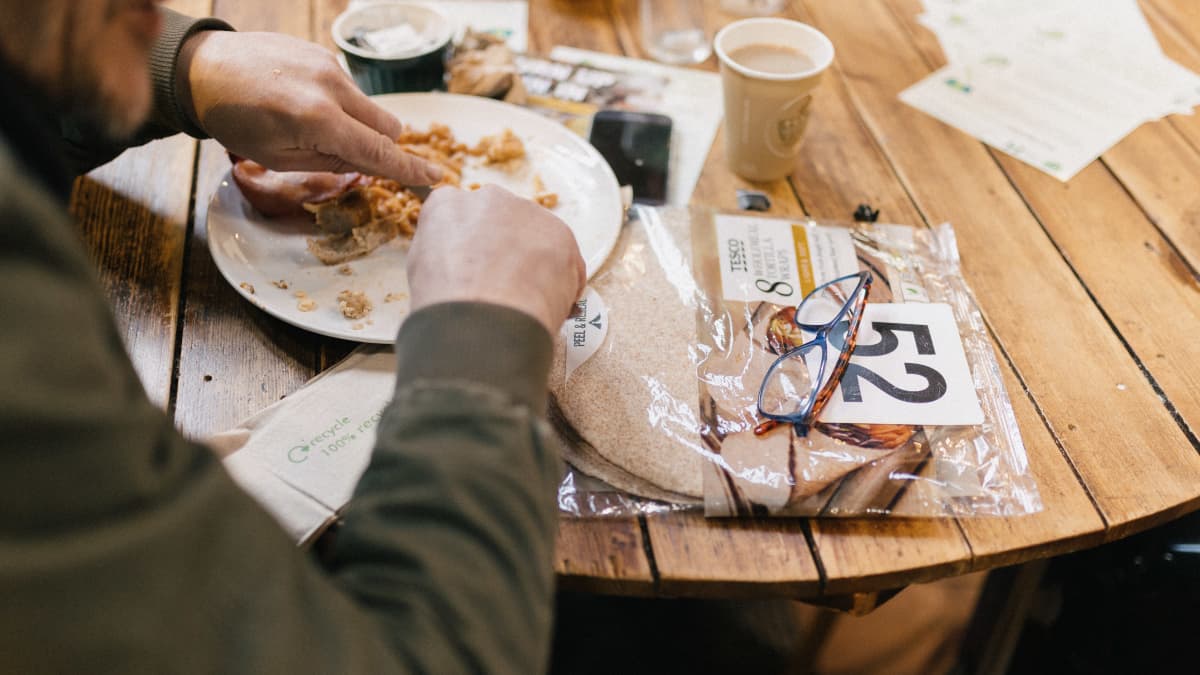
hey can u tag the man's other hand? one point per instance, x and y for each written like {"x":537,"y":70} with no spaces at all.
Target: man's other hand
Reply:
{"x":288,"y":105}
{"x":492,"y":246}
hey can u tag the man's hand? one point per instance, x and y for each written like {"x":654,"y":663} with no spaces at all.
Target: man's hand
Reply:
{"x":492,"y":246}
{"x":286,"y":104}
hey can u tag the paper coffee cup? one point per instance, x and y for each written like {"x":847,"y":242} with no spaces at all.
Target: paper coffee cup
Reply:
{"x":769,"y":69}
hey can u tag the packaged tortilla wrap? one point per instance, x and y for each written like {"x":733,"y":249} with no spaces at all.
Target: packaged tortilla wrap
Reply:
{"x":682,"y":382}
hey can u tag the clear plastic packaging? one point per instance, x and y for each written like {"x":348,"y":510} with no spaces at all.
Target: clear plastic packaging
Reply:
{"x":655,"y":389}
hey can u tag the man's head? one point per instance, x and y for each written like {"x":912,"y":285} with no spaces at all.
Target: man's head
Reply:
{"x":88,"y":56}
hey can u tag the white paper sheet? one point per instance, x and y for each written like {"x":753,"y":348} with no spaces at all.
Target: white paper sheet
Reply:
{"x":1056,"y":120}
{"x":925,"y":379}
{"x":1054,"y":83}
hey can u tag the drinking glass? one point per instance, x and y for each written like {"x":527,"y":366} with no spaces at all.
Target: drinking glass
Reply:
{"x":673,"y":31}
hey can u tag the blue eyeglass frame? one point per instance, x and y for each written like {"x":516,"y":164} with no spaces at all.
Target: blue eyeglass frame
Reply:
{"x":801,"y":420}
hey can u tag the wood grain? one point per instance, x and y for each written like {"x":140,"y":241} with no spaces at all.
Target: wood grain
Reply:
{"x":1159,"y":163}
{"x":840,"y":166}
{"x":681,"y":546}
{"x":1077,"y":370}
{"x":717,"y":186}
{"x":1068,"y":520}
{"x":584,"y":24}
{"x":1133,"y":273}
{"x":603,"y":555}
{"x":323,"y":14}
{"x":293,"y":18}
{"x":1089,"y":287}
{"x":235,"y":359}
{"x":727,"y":557}
{"x":1176,"y":24}
{"x":730,"y":557}
{"x":599,"y":555}
{"x":133,"y":213}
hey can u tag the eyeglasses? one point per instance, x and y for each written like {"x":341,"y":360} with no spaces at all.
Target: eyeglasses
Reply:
{"x":799,"y":383}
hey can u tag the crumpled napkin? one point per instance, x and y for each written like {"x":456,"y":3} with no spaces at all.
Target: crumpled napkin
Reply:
{"x":302,"y":456}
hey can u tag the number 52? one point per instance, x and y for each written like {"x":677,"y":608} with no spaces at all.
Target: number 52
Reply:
{"x":889,"y":341}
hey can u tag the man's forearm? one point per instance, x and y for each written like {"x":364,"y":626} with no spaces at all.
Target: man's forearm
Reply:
{"x":128,"y":549}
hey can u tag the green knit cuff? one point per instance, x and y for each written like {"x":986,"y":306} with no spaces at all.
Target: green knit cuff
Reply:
{"x":163,"y":57}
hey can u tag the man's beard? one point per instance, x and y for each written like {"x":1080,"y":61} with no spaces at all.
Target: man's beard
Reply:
{"x":115,"y":111}
{"x":106,"y":85}
{"x":83,"y":57}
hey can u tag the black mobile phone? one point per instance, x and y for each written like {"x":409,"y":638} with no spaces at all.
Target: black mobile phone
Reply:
{"x":638,"y":148}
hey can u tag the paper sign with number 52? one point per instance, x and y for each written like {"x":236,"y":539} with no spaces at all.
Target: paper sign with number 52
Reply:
{"x":908,"y":368}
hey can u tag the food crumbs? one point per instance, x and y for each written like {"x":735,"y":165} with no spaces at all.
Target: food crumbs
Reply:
{"x":501,"y":148}
{"x":301,"y":294}
{"x":543,"y":197}
{"x":247,"y":287}
{"x":281,"y":284}
{"x":395,"y":297}
{"x":306,"y":305}
{"x":345,"y":270}
{"x":474,"y":186}
{"x":357,"y":326}
{"x":354,"y":304}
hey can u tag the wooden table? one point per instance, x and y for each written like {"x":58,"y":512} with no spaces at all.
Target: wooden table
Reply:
{"x":1089,"y":289}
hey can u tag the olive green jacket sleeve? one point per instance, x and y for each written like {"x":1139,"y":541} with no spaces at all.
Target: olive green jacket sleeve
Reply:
{"x":124,"y":548}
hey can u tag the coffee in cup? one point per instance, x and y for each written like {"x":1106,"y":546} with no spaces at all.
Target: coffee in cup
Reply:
{"x":769,"y":70}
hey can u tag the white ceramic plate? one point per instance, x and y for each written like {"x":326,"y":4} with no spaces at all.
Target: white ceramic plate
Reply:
{"x":253,"y":251}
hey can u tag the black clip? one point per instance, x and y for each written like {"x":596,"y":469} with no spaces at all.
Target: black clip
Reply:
{"x":753,"y":200}
{"x":865,"y":214}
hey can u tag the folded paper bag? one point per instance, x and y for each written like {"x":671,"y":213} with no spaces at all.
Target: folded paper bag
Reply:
{"x":302,"y":456}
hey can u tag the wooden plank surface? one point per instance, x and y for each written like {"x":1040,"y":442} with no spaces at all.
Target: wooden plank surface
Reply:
{"x":1069,"y":520}
{"x":725,"y":557}
{"x":586,"y":24}
{"x":1089,"y":288}
{"x":1159,"y":162}
{"x":1176,"y":24}
{"x":133,"y":213}
{"x":1077,"y":370}
{"x":603,"y":555}
{"x":235,"y":359}
{"x":608,"y":554}
{"x":841,"y":165}
{"x":1127,"y":266}
{"x":323,"y":14}
{"x":695,"y":556}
